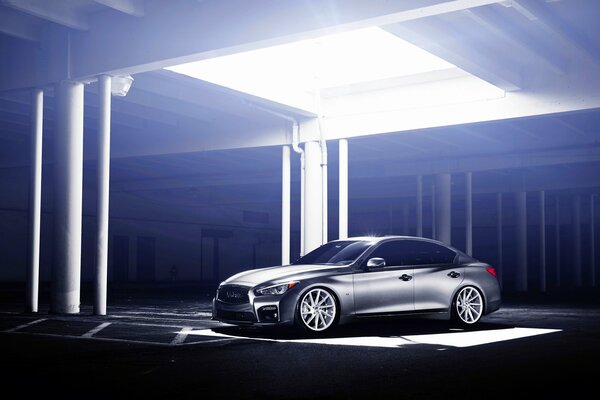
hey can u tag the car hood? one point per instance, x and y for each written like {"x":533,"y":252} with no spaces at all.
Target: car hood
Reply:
{"x":254,"y":277}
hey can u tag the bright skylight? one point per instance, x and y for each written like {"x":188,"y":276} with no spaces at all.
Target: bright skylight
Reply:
{"x":290,"y":73}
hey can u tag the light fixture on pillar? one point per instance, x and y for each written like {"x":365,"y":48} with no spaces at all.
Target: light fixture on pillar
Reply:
{"x":120,"y":85}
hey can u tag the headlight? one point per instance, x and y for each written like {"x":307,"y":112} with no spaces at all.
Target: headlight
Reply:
{"x":275,"y":289}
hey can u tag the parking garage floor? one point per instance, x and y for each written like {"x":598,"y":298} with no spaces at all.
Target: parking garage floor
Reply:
{"x":158,"y":347}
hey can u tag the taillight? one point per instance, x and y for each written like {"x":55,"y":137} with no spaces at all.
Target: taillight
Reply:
{"x":492,"y":271}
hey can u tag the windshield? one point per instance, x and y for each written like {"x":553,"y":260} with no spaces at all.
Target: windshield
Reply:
{"x":335,"y":253}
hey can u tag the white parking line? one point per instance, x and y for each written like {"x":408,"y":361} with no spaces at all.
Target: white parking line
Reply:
{"x":104,"y":339}
{"x":37,"y":321}
{"x":97,"y":329}
{"x":165,"y":319}
{"x":168,"y":314}
{"x":181,"y":335}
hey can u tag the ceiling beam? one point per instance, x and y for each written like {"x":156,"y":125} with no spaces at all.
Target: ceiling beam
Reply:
{"x":60,"y":12}
{"x":568,"y":126}
{"x":131,"y":7}
{"x":522,"y":130}
{"x":494,"y":21}
{"x":438,"y":139}
{"x":479,"y":135}
{"x":463,"y":51}
{"x":540,"y":14}
{"x":18,"y":25}
{"x":399,"y":141}
{"x":200,"y":97}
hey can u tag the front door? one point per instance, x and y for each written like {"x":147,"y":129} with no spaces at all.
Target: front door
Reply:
{"x":385,"y":290}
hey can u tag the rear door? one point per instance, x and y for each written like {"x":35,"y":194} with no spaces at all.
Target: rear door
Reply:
{"x":384,"y":290}
{"x":436,"y":276}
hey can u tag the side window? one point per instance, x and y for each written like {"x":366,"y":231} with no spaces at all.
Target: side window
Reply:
{"x":391,"y":252}
{"x":421,"y":253}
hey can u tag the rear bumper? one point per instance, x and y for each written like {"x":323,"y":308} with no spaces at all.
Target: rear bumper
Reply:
{"x":493,"y":305}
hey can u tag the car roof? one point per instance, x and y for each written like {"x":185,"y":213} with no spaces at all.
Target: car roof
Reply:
{"x":377,"y":239}
{"x":380,"y":238}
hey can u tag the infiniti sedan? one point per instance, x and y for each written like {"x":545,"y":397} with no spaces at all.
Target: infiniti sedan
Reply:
{"x":358,"y":278}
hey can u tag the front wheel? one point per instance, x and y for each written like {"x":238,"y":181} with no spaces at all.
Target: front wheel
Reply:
{"x":317,"y":310}
{"x":468,"y":306}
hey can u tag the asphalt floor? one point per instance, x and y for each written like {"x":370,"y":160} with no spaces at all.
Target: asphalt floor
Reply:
{"x":163,"y":345}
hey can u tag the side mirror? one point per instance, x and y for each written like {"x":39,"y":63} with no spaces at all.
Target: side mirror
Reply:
{"x":376,"y":263}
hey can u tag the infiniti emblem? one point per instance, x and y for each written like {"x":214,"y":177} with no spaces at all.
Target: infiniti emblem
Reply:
{"x":233,"y":295}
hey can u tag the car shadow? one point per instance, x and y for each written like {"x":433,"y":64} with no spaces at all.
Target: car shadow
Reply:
{"x":362,"y":328}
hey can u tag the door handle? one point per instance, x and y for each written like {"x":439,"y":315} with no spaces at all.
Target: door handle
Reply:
{"x":405,"y":277}
{"x":453,"y":274}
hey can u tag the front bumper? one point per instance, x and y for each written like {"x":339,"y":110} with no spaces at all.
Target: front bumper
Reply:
{"x":259,"y":310}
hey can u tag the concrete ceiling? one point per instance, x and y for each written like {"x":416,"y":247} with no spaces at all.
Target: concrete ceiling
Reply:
{"x":545,"y":54}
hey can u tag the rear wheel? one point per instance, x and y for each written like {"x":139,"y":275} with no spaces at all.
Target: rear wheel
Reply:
{"x":317,"y":310}
{"x":468,"y":306}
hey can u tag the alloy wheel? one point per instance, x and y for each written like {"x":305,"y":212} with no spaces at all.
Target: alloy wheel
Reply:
{"x":469,"y":305}
{"x":318,"y":310}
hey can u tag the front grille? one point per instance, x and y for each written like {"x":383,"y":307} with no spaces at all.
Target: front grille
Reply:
{"x":240,"y":316}
{"x":233,"y":294}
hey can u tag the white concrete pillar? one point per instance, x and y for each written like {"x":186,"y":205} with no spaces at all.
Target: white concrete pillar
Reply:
{"x":542,"y":241}
{"x":35,"y":201}
{"x":521,"y":237}
{"x":343,"y":189}
{"x":592,"y":241}
{"x":577,"y":275}
{"x":68,"y":180}
{"x":499,"y":237}
{"x":469,"y":213}
{"x":313,"y":213}
{"x":285,"y":204}
{"x":103,"y":176}
{"x":557,"y":241}
{"x":443,"y":203}
{"x":419,"y":210}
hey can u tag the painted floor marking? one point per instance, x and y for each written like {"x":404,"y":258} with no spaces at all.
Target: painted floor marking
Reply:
{"x":104,"y":339}
{"x":164,"y":319}
{"x":95,"y":330}
{"x":168,"y":314}
{"x":452,"y":339}
{"x":17,"y":328}
{"x":181,"y":336}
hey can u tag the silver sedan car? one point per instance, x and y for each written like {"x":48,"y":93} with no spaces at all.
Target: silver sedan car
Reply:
{"x":361,"y":277}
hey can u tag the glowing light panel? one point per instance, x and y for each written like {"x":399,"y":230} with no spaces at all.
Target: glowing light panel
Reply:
{"x":290,"y":73}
